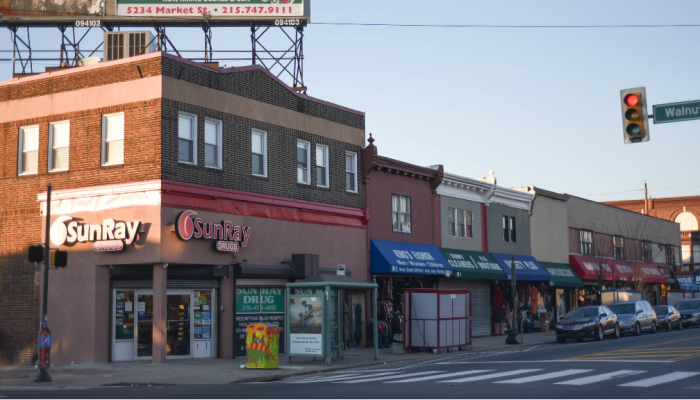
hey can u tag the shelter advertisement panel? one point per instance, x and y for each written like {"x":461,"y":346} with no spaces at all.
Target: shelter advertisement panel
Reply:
{"x":216,"y":8}
{"x":306,"y":325}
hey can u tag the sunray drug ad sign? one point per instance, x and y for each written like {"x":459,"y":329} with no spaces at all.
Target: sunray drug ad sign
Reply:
{"x":258,"y":305}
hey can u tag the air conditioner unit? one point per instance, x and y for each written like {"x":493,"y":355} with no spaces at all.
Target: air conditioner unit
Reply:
{"x":118,"y":45}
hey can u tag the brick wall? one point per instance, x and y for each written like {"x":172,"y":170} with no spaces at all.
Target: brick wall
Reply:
{"x":237,"y":164}
{"x":20,"y":222}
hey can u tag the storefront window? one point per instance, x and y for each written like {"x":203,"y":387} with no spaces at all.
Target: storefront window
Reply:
{"x":178,"y":327}
{"x":257,"y":305}
{"x":124,"y":316}
{"x":202,"y":315}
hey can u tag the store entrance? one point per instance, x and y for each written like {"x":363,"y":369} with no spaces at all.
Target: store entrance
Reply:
{"x":190,"y":325}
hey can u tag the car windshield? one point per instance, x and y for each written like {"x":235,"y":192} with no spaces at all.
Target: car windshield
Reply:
{"x":688,"y":305}
{"x":583,"y":313}
{"x":622,"y":308}
{"x":661,"y":310}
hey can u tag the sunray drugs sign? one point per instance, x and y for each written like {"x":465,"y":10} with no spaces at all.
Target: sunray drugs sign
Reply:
{"x":228,"y":237}
{"x":111,"y":235}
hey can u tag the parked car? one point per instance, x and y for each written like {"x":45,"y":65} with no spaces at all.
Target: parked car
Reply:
{"x":690,"y":312}
{"x":635,"y":316}
{"x":591,"y":321}
{"x":667,"y":317}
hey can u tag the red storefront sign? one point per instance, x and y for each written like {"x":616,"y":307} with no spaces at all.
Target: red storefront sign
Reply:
{"x":229,"y":237}
{"x":589,"y":269}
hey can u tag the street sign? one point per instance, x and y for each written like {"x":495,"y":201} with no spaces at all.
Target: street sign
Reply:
{"x":676,"y":112}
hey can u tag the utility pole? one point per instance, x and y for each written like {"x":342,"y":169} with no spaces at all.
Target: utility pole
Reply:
{"x":43,"y":375}
{"x":512,"y":335}
{"x":646,"y":200}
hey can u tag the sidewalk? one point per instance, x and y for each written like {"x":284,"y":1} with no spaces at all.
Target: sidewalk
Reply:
{"x":219,"y":371}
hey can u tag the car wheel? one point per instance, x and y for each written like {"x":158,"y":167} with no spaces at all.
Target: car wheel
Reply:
{"x":637,"y":329}
{"x":653,"y":327}
{"x":617,"y":333}
{"x":579,"y":339}
{"x":600,"y":335}
{"x":668,"y":326}
{"x":561,"y":340}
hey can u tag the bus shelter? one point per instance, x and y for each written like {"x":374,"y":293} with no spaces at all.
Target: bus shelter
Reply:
{"x":314,"y":327}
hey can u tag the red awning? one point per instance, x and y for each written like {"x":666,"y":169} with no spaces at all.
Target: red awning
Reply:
{"x":588,"y":269}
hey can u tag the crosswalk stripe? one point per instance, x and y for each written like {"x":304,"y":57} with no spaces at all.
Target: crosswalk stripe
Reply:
{"x":489,"y":376}
{"x":425,"y":378}
{"x":381,"y":378}
{"x":329,"y":378}
{"x":600,"y":378}
{"x":674,"y":376}
{"x":543,"y":377}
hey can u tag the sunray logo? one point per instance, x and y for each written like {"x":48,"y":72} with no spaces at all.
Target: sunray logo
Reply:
{"x":229,"y":237}
{"x":111,"y":235}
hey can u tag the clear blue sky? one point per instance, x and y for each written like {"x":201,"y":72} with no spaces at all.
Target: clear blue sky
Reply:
{"x":536,"y":105}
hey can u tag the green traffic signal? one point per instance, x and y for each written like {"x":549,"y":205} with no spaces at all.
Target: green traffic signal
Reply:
{"x":633,"y":130}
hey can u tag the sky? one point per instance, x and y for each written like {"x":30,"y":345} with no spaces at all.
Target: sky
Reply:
{"x":537,"y":105}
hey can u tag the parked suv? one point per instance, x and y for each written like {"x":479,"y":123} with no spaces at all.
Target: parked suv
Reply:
{"x":690,"y":311}
{"x":635,"y":316}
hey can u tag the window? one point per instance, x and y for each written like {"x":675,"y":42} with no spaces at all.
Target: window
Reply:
{"x":59,"y":140}
{"x":459,"y":222}
{"x":401,"y":213}
{"x":322,"y":165}
{"x":113,"y":139}
{"x":303,"y":161}
{"x":619,"y":247}
{"x":350,"y":172}
{"x":646,"y":252}
{"x":512,"y":229}
{"x":670,"y":255}
{"x":187,"y":138}
{"x":506,"y":235}
{"x":586,"y":242}
{"x":259,"y":149}
{"x":212,"y":143}
{"x":28,"y":157}
{"x":686,"y":258}
{"x":696,"y":253}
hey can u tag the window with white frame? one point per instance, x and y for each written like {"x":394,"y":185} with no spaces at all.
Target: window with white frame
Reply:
{"x":28,"y":154}
{"x":59,"y":142}
{"x":401,"y":213}
{"x":303,"y":161}
{"x":212,"y":143}
{"x":322,"y":177}
{"x":259,"y":152}
{"x":187,"y":138}
{"x":459,"y":222}
{"x":113,"y":139}
{"x":351,"y":171}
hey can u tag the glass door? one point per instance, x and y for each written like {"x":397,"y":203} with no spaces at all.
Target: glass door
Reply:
{"x":123,"y":327}
{"x":179,"y":337}
{"x":144,"y":325}
{"x":203,"y":323}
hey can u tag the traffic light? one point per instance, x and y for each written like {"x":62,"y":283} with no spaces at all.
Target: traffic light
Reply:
{"x":635,"y":120}
{"x":59,"y":258}
{"x":36,"y":254}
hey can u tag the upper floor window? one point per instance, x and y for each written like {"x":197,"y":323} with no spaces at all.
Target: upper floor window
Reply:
{"x":401,"y":213}
{"x":586,"y":242}
{"x":459,"y":222}
{"x":212,"y":143}
{"x":670,"y":255}
{"x":351,"y":171}
{"x":322,"y":165}
{"x":259,"y":152}
{"x":509,"y":229}
{"x":187,"y":138}
{"x":619,"y":247}
{"x":59,"y":141}
{"x":506,"y":234}
{"x":512,"y":229}
{"x":28,"y":154}
{"x":646,"y":251}
{"x":303,"y":161}
{"x":113,"y":139}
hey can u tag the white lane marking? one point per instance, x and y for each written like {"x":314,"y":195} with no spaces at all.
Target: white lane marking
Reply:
{"x":551,"y":361}
{"x":600,"y":378}
{"x":489,"y":376}
{"x":381,"y":378}
{"x":543,"y":377}
{"x":674,"y":376}
{"x":425,"y":378}
{"x":335,"y":378}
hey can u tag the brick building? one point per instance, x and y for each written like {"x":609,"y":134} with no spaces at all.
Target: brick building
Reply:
{"x":144,"y":154}
{"x":682,"y":210}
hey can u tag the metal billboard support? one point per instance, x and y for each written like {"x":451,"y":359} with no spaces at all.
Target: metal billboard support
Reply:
{"x":17,"y":51}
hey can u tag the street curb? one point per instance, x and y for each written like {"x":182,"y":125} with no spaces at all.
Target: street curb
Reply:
{"x":270,"y":378}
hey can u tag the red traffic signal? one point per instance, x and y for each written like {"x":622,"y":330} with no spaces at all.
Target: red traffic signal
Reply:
{"x":632,"y":100}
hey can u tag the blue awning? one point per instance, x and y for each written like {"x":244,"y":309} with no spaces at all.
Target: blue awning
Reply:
{"x":685,"y":282}
{"x":527,"y":267}
{"x":407,"y":258}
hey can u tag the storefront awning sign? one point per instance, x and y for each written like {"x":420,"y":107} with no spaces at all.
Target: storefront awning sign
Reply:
{"x":407,"y":258}
{"x":227,"y":236}
{"x":561,"y":275}
{"x":473,"y":264}
{"x":527,"y":267}
{"x":685,"y":282}
{"x":589,"y":269}
{"x":111,"y":235}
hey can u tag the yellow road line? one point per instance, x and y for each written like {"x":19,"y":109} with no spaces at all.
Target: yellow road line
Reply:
{"x":630,"y":349}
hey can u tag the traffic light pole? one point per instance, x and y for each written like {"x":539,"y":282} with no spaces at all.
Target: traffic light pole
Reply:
{"x":44,"y":376}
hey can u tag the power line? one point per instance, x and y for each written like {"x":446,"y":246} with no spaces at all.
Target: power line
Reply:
{"x":504,"y":26}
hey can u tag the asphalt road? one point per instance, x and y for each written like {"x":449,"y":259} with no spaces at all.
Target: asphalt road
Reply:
{"x":663,"y":365}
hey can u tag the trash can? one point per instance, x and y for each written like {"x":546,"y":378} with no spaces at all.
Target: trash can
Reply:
{"x":262,"y":346}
